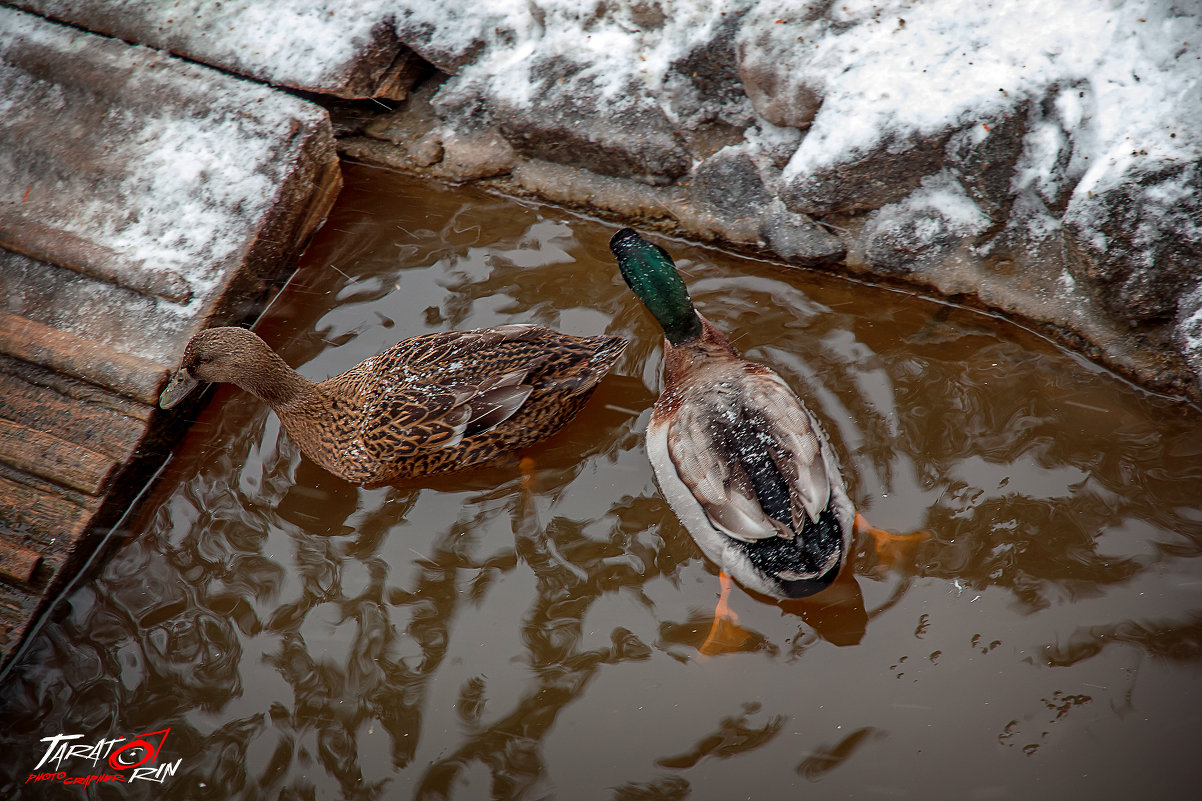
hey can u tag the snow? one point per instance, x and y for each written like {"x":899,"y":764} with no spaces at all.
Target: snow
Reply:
{"x":1109,"y":94}
{"x":1120,"y":73}
{"x":265,"y":35}
{"x":294,"y":42}
{"x":1189,"y":327}
{"x":1037,"y":170}
{"x":190,"y":177}
{"x":198,"y":191}
{"x":954,"y":62}
{"x":518,"y":37}
{"x":1123,"y":78}
{"x":956,"y":212}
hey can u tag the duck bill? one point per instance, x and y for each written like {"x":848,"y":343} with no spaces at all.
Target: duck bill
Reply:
{"x":178,"y":388}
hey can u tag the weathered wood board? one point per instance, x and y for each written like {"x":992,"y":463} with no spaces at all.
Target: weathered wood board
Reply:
{"x":343,"y":49}
{"x":142,"y":198}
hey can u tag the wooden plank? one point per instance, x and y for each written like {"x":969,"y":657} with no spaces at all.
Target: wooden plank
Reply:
{"x":118,"y":162}
{"x":42,"y":514}
{"x":73,"y":388}
{"x":124,"y":373}
{"x":302,"y":202}
{"x":38,"y":240}
{"x":293,"y":51}
{"x":92,"y":309}
{"x":81,"y":413}
{"x":85,"y":67}
{"x":55,"y":459}
{"x":18,"y":564}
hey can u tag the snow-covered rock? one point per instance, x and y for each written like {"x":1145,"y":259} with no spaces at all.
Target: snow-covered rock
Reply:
{"x":924,"y":227}
{"x":1188,"y":329}
{"x":1139,"y":240}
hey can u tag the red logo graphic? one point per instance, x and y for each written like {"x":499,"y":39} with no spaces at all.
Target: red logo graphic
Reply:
{"x":138,"y":752}
{"x":133,"y":760}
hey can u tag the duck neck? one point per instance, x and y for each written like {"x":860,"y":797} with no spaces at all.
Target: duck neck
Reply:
{"x":694,"y":356}
{"x":679,"y":328}
{"x":673,"y":311}
{"x":272,"y":381}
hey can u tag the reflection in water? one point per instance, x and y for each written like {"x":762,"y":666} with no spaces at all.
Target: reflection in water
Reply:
{"x":827,"y":758}
{"x":483,"y":636}
{"x":733,"y":737}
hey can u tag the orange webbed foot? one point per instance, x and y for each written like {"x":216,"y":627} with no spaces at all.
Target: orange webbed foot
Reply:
{"x":526,"y":465}
{"x":890,"y":548}
{"x":726,"y":635}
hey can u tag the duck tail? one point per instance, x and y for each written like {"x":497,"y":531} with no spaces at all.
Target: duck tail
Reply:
{"x":650,"y":273}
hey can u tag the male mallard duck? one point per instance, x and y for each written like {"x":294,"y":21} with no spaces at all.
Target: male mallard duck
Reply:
{"x":430,"y":404}
{"x":741,"y":461}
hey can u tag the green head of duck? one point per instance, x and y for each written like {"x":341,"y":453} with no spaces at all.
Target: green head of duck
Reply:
{"x":651,"y":274}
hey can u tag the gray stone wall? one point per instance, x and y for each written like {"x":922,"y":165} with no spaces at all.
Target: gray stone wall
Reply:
{"x":988,"y":208}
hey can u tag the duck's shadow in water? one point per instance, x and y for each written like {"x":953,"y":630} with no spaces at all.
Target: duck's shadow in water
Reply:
{"x":836,"y":614}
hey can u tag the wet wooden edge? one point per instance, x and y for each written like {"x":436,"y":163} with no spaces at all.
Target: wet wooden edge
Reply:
{"x":80,"y":434}
{"x":123,"y":373}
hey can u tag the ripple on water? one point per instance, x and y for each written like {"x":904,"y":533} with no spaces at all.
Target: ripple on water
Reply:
{"x":305,"y":638}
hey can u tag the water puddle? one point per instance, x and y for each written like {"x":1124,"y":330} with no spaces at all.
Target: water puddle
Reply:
{"x":299,"y":637}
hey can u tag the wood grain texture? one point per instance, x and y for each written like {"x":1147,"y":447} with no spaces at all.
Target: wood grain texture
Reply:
{"x":142,"y":199}
{"x":56,"y":459}
{"x":123,"y":373}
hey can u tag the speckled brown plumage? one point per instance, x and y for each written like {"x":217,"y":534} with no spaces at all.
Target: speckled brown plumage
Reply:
{"x":430,"y":404}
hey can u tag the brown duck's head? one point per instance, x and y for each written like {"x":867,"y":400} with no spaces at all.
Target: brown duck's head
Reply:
{"x":233,"y":355}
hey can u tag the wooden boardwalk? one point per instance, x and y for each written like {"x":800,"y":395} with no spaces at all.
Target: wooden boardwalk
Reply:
{"x":142,"y":198}
{"x":347,"y":50}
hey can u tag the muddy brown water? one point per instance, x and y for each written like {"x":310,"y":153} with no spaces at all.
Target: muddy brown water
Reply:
{"x":300,"y":637}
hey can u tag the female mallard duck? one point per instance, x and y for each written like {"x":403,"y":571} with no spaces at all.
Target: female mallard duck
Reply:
{"x":740,"y":460}
{"x":430,"y":404}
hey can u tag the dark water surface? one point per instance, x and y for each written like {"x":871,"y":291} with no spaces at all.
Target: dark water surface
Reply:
{"x":303,"y":638}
